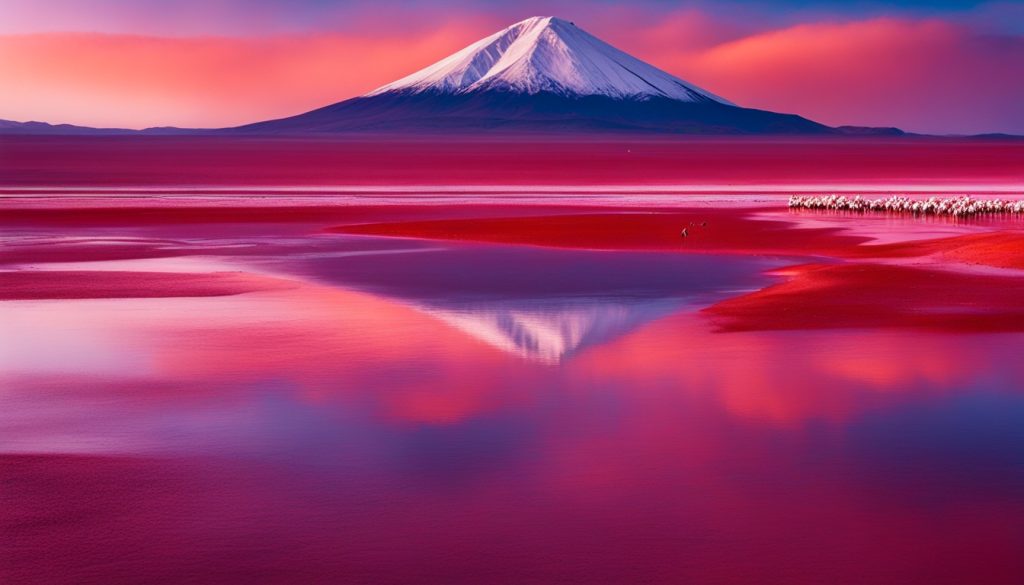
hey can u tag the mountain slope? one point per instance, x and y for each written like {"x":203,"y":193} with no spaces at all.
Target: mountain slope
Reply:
{"x":543,"y":112}
{"x":543,"y":74}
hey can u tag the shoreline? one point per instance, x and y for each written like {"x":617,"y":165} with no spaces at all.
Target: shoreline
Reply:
{"x":840,"y":275}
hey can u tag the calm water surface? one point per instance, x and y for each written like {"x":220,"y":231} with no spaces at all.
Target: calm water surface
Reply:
{"x":413,"y":411}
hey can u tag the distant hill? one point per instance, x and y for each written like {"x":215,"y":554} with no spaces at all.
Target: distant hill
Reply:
{"x":11,"y":127}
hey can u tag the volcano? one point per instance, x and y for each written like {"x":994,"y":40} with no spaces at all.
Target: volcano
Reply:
{"x":542,"y":74}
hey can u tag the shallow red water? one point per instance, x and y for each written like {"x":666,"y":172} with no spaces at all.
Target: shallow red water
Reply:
{"x":157,"y":161}
{"x":560,"y":402}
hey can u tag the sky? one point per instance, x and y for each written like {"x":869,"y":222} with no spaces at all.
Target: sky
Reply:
{"x":943,"y":67}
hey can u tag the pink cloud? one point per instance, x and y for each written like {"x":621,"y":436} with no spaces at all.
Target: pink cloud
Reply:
{"x":927,"y":76}
{"x":137,"y":81}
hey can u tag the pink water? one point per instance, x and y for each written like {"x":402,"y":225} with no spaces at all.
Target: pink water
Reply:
{"x":407,"y":410}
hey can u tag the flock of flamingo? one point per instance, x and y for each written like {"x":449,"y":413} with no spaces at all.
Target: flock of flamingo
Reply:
{"x":960,"y":206}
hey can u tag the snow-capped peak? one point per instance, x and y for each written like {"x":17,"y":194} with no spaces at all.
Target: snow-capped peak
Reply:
{"x":547,"y":54}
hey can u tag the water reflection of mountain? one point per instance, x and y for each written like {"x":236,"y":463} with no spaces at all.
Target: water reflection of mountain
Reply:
{"x":540,"y":303}
{"x":551,"y":332}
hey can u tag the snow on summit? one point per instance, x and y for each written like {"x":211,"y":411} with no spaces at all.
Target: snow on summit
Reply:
{"x":547,"y":54}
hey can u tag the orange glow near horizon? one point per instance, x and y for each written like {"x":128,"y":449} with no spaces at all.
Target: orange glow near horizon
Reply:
{"x":141,"y":81}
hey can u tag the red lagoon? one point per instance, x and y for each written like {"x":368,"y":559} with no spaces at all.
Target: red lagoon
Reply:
{"x":704,"y":162}
{"x":228,"y":388}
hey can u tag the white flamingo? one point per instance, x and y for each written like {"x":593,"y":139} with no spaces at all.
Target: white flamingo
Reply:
{"x":961,"y":206}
